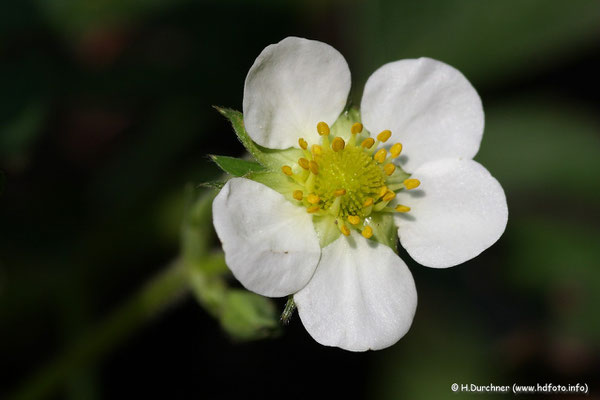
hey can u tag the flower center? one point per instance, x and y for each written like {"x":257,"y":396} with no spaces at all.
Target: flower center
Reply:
{"x":349,"y":181}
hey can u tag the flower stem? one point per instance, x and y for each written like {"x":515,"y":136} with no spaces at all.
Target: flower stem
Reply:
{"x":163,"y":290}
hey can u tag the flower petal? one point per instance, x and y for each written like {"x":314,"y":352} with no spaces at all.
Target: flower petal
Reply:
{"x":429,"y":106}
{"x":270,"y":245}
{"x":458,"y":211}
{"x":292,"y":86}
{"x":362,"y":296}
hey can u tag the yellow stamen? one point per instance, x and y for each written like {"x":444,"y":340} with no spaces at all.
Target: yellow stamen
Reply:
{"x":313,"y":209}
{"x":384,"y":135}
{"x":380,"y":155}
{"x":367,"y":232}
{"x":338,"y":144}
{"x":389,"y":196}
{"x":368,"y":202}
{"x":353,"y":219}
{"x":298,"y":195}
{"x":389,"y":169}
{"x":402,"y":209}
{"x":357,"y":127}
{"x":411,"y":183}
{"x":323,"y":128}
{"x":339,"y":192}
{"x":345,"y":230}
{"x":287,"y":170}
{"x":316,"y":150}
{"x":395,"y":150}
{"x":313,"y":198}
{"x":303,"y":162}
{"x":368,"y":143}
{"x":314,"y":167}
{"x":382,"y":191}
{"x":303,"y":143}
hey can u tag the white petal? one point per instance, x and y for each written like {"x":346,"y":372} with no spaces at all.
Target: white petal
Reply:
{"x":458,"y":211}
{"x":270,"y":245}
{"x":292,"y":86}
{"x":429,"y":106}
{"x":362,"y":296}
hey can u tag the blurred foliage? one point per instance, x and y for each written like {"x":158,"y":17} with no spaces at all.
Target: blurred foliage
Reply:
{"x":105,"y":116}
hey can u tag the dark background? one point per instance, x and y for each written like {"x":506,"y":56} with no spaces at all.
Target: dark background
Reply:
{"x":106,"y":113}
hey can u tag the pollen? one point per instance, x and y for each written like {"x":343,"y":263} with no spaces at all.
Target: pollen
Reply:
{"x":402,"y":209}
{"x":287,"y":170}
{"x":368,"y":143}
{"x":384,"y":135}
{"x":380,"y":155}
{"x":313,"y":209}
{"x":368,"y":202}
{"x":323,"y":128}
{"x":338,"y":144}
{"x":356,"y":128}
{"x":411,"y":183}
{"x":303,"y":144}
{"x":389,"y":196}
{"x":339,"y":192}
{"x":313,"y":198}
{"x":395,"y":150}
{"x":314,"y":167}
{"x":367,"y":232}
{"x":303,"y":162}
{"x":353,"y":219}
{"x":345,"y":230}
{"x":298,"y":195}
{"x":389,"y":169}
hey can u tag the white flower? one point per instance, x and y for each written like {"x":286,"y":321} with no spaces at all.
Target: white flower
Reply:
{"x":319,"y":231}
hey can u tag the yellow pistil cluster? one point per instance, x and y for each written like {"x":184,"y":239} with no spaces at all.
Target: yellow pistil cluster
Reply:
{"x":348,"y":180}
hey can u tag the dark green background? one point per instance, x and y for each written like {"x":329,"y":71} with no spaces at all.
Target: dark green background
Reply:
{"x":105,"y":115}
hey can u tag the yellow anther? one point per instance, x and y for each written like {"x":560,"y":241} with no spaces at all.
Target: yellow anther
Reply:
{"x":314,"y":167}
{"x":368,"y":143}
{"x":303,"y":162}
{"x":389,"y":169}
{"x":313,"y":209}
{"x":323,"y":128}
{"x":298,"y":195}
{"x":316,"y":150}
{"x":384,"y":135}
{"x":402,"y":209}
{"x":357,"y":127}
{"x":338,"y":144}
{"x":367,"y":232}
{"x":382,"y":191}
{"x":353,"y":219}
{"x":389,"y":196}
{"x":368,"y":202}
{"x":303,"y":144}
{"x":339,"y":192}
{"x":411,"y":183}
{"x":396,"y":149}
{"x":380,"y":155}
{"x":313,"y":198}
{"x":345,"y":230}
{"x":287,"y":170}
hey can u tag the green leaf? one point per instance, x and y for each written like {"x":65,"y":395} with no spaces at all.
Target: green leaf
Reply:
{"x":270,"y":158}
{"x":236,"y":166}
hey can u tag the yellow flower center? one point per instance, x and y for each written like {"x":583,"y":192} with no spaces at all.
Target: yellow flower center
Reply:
{"x":348,"y":181}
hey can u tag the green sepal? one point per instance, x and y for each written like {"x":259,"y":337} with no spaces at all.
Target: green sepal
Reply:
{"x":277,"y":181}
{"x":269,"y":158}
{"x":384,"y":230}
{"x":288,"y":311}
{"x":248,"y":316}
{"x":342,"y":125}
{"x":236,"y":166}
{"x":218,"y":185}
{"x":326,"y":228}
